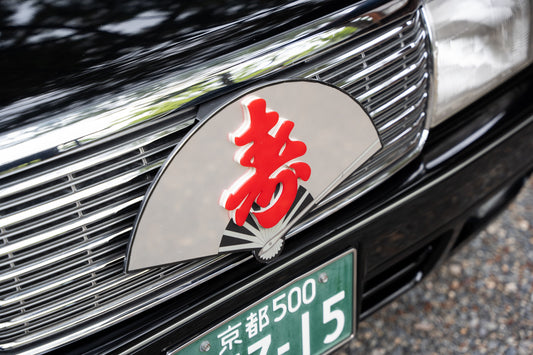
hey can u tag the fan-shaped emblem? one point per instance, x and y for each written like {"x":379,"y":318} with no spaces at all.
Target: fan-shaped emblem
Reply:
{"x":249,"y":172}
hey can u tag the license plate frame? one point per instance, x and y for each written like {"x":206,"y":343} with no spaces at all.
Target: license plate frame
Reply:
{"x":208,"y":342}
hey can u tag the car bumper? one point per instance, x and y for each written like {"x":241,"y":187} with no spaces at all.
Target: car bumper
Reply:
{"x":470,"y":168}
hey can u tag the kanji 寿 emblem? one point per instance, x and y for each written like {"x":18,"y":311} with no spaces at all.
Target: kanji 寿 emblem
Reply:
{"x":271,"y":183}
{"x":293,"y":142}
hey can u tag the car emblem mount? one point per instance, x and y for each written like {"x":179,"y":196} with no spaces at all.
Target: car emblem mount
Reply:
{"x":249,"y":171}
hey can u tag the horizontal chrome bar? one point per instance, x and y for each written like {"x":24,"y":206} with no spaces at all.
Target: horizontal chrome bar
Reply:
{"x":87,"y":162}
{"x":418,"y":105}
{"x":377,"y":78}
{"x":73,"y":299}
{"x":116,"y":310}
{"x":378,"y":66}
{"x":19,"y":258}
{"x":80,"y":247}
{"x":382,"y":86}
{"x":82,"y":285}
{"x":371,"y":48}
{"x":25,"y":243}
{"x":54,"y":283}
{"x":382,"y":119}
{"x":72,"y":198}
{"x":65,"y":254}
{"x":411,"y":89}
{"x":27,"y":229}
{"x":347,"y":58}
{"x":70,"y":129}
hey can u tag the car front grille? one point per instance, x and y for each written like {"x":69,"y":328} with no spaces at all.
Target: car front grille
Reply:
{"x":65,"y":223}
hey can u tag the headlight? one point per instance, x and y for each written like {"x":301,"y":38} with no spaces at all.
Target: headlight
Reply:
{"x":477,"y":44}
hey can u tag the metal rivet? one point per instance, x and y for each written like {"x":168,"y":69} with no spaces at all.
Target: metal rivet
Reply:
{"x":205,"y":346}
{"x":323,"y":278}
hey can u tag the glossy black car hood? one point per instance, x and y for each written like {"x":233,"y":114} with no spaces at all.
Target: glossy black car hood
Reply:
{"x":55,"y":54}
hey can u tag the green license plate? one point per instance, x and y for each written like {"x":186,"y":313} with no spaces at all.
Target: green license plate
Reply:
{"x":310,"y":315}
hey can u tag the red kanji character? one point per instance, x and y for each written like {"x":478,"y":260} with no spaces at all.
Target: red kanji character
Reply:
{"x":269,"y":153}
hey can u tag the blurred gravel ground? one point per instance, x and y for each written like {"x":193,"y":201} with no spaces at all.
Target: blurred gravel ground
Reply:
{"x":479,"y":301}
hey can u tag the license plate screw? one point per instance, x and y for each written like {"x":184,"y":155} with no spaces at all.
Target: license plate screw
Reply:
{"x":323,"y":278}
{"x":205,"y":346}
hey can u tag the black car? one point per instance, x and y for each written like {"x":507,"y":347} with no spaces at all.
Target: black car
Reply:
{"x":246,"y":177}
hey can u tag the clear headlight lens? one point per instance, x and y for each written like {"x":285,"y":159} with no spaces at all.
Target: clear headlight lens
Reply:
{"x":477,"y":44}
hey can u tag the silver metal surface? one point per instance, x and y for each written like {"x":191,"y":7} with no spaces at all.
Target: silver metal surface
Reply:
{"x":65,"y":264}
{"x":477,"y":45}
{"x":68,"y":130}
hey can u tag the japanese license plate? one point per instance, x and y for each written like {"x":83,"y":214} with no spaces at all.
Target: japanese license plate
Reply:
{"x":310,"y":315}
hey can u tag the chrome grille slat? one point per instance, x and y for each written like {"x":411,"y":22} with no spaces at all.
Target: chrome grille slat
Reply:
{"x":59,"y":303}
{"x":89,"y":161}
{"x":79,"y":298}
{"x":29,"y":253}
{"x":392,"y":80}
{"x":69,"y":181}
{"x":393,"y":130}
{"x":378,"y":66}
{"x":54,"y":284}
{"x":392,"y":71}
{"x":79,"y":210}
{"x":55,"y":268}
{"x":409,"y":87}
{"x":84,"y":249}
{"x":40,"y":238}
{"x":388,"y":118}
{"x":76,"y":299}
{"x":371,"y":48}
{"x":88,"y":204}
{"x":74,"y":197}
{"x":395,"y":117}
{"x":67,"y":253}
{"x":349,"y":61}
{"x":413,"y":109}
{"x":145,"y":290}
{"x":346,"y":58}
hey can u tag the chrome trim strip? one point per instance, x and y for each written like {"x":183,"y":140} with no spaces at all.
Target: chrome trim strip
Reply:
{"x":64,"y":255}
{"x":31,"y":253}
{"x":388,"y":124}
{"x":403,"y":95}
{"x":55,"y":283}
{"x":348,"y":56}
{"x":413,"y":46}
{"x":71,"y":129}
{"x":10,"y":248}
{"x":426,"y":17}
{"x":374,"y":49}
{"x":32,"y":228}
{"x":96,"y":159}
{"x":72,"y":198}
{"x":40,"y":276}
{"x":75,"y":299}
{"x":382,"y":86}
